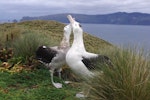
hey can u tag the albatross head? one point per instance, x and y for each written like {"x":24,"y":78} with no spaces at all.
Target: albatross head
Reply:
{"x":67,"y":32}
{"x":76,"y":27}
{"x":66,"y":36}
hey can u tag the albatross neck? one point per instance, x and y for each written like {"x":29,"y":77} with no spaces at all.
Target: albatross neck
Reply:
{"x":65,"y":42}
{"x":78,"y":41}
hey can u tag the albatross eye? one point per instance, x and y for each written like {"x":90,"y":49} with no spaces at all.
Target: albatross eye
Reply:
{"x":80,"y":25}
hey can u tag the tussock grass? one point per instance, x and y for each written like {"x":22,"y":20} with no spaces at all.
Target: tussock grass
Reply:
{"x":128,"y":80}
{"x":27,"y":44}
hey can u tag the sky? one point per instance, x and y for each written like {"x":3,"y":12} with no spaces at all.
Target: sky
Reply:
{"x":16,"y":9}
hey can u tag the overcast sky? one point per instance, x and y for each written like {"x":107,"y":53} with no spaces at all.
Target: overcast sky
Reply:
{"x":16,"y":9}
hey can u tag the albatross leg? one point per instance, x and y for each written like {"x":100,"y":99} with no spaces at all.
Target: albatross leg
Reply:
{"x":59,"y":73}
{"x":57,"y":85}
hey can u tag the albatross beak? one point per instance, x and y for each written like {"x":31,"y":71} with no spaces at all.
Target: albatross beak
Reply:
{"x":70,"y":19}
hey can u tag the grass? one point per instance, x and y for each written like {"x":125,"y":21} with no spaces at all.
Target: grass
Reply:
{"x":128,"y":80}
{"x":53,"y":29}
{"x":32,"y":85}
{"x":29,"y":42}
{"x":19,"y":83}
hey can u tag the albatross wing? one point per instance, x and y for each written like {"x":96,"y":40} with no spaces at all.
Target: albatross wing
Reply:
{"x":45,"y":54}
{"x":96,"y":62}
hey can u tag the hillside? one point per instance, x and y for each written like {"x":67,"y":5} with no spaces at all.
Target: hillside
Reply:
{"x":122,"y":18}
{"x":53,"y":29}
{"x":24,"y":78}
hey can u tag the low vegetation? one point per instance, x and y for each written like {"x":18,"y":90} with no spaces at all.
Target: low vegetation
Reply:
{"x":128,"y":80}
{"x":23,"y":77}
{"x":32,"y":85}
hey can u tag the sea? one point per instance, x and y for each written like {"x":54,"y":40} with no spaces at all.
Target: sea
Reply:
{"x":121,"y":35}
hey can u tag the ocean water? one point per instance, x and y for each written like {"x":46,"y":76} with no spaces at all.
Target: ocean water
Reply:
{"x":133,"y":35}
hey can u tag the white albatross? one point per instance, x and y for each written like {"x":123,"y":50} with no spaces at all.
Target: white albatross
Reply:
{"x":77,"y":58}
{"x":54,"y":57}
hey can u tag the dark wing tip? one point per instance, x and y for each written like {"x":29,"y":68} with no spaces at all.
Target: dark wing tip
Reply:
{"x":106,"y":60}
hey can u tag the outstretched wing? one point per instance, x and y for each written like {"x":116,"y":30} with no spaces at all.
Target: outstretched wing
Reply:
{"x":96,"y":62}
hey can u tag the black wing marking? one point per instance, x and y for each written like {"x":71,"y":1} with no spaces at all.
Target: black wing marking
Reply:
{"x":45,"y":54}
{"x":96,"y":62}
{"x":88,"y":62}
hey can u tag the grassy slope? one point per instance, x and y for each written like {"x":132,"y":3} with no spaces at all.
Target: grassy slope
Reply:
{"x":54,"y":29}
{"x":36,"y":84}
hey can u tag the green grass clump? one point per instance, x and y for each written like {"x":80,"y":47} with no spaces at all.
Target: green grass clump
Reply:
{"x":128,"y":80}
{"x":27,"y":44}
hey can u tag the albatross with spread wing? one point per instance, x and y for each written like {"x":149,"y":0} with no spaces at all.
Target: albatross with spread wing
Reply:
{"x":78,"y":59}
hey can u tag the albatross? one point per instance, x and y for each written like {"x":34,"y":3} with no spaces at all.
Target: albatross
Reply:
{"x":78,"y":59}
{"x":54,"y":57}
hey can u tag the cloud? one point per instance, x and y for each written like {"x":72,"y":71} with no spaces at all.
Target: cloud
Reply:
{"x":19,"y":8}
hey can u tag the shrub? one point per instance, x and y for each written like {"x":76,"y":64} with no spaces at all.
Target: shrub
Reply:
{"x":128,"y":80}
{"x":26,"y":45}
{"x":5,"y":54}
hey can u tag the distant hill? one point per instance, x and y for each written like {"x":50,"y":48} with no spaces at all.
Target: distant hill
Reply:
{"x":122,"y":18}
